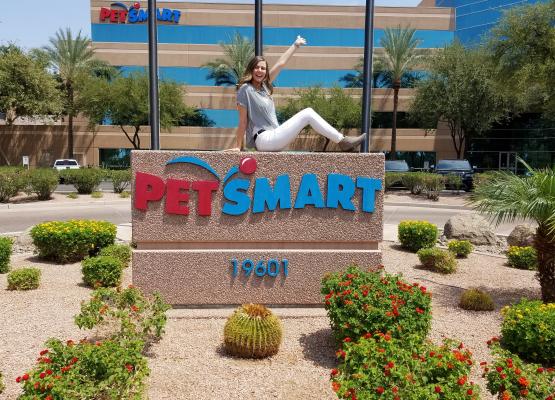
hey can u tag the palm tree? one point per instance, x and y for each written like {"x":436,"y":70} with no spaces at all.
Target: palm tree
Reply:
{"x":507,"y":196}
{"x":72,"y":59}
{"x":400,"y":56}
{"x":228,"y":71}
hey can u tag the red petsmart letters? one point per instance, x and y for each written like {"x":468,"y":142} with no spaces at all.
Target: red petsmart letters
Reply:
{"x":147,"y":188}
{"x":176,"y":196}
{"x":105,"y":13}
{"x":204,"y":198}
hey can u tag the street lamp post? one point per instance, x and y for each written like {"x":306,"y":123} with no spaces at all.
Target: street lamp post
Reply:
{"x":258,"y":27}
{"x":367,"y":71}
{"x":154,"y":111}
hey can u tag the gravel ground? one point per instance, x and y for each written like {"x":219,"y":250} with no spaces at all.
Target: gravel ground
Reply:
{"x":189,"y":363}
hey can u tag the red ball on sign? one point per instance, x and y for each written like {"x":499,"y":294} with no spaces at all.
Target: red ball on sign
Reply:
{"x":247,"y":165}
{"x":137,"y":6}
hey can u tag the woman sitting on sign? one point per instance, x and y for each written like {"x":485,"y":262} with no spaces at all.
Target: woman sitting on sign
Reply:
{"x":257,"y":112}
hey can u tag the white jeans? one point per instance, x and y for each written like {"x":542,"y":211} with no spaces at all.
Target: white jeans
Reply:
{"x":282,"y":136}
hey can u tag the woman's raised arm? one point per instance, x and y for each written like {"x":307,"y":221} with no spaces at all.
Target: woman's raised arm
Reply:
{"x":276,"y":69}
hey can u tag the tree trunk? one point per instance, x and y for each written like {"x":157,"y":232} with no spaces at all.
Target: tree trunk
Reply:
{"x":545,"y":247}
{"x":393,"y":152}
{"x":70,"y":97}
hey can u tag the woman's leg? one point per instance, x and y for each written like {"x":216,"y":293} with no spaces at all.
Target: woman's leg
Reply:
{"x":282,"y":136}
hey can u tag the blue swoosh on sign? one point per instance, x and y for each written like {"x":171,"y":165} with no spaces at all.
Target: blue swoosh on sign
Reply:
{"x":119,"y":5}
{"x":195,"y":161}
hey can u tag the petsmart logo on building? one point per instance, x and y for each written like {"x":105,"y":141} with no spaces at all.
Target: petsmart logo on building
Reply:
{"x":265,"y":196}
{"x":119,"y":13}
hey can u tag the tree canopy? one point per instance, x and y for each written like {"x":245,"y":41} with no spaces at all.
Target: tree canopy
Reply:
{"x":461,"y":91}
{"x":26,"y":87}
{"x":229,"y":70}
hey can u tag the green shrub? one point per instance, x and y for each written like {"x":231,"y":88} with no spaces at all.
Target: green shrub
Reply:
{"x":527,"y":330}
{"x":24,"y":279}
{"x":433,"y":184}
{"x":510,"y":378}
{"x":438,"y":260}
{"x":453,"y":181}
{"x":125,"y":194}
{"x":42,"y":182}
{"x":97,"y":195}
{"x":378,"y":366}
{"x":415,"y":235}
{"x":523,"y":257}
{"x":133,"y":315}
{"x":413,"y":181}
{"x":252,"y":332}
{"x":5,"y":253}
{"x":392,"y":178}
{"x":12,"y":181}
{"x":460,"y":248}
{"x":102,"y":370}
{"x":102,"y":271}
{"x":85,"y":180}
{"x":72,"y":195}
{"x":484,"y":177}
{"x":120,"y":179}
{"x":120,"y":251}
{"x":358,"y":302}
{"x":476,"y":300}
{"x":73,"y":240}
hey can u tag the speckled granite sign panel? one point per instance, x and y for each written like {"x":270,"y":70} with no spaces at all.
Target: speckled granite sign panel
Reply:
{"x":230,"y":227}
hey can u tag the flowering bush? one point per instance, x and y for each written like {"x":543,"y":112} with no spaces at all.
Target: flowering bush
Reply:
{"x":5,"y":253}
{"x":381,"y":367}
{"x":437,"y":260}
{"x":510,"y":378}
{"x":415,"y":235}
{"x":24,"y":279}
{"x":523,"y":257}
{"x":460,"y":248}
{"x":360,"y":302}
{"x":73,"y":240}
{"x":527,"y":330}
{"x":102,"y":271}
{"x":74,"y":371}
{"x":120,"y":251}
{"x":133,"y":315}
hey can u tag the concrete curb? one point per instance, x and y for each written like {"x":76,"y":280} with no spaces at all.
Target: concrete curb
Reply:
{"x":426,"y":205}
{"x":41,"y":205}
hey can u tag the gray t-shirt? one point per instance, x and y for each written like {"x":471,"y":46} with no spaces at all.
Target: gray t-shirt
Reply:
{"x":260,"y":108}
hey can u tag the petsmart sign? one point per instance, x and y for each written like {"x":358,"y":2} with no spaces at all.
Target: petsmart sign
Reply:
{"x":230,"y":228}
{"x":120,"y":13}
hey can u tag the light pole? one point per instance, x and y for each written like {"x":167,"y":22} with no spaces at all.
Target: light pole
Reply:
{"x":154,"y":111}
{"x":258,"y":27}
{"x":367,"y":71}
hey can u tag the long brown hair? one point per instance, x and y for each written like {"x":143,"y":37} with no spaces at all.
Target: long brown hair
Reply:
{"x":247,"y":75}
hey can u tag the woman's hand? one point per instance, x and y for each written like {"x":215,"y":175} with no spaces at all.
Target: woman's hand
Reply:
{"x":299,"y":41}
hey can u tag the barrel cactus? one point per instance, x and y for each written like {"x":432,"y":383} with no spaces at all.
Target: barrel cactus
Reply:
{"x":252,"y":332}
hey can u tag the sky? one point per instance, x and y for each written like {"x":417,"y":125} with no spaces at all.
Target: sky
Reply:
{"x":28,"y":25}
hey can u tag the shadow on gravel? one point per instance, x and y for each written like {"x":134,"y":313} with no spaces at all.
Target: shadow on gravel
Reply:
{"x":400,"y":248}
{"x":319,"y":347}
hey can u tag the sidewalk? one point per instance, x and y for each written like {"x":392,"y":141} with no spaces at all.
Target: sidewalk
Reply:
{"x":448,"y":200}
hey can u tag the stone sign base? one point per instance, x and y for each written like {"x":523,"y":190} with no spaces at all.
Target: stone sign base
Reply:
{"x":189,"y":277}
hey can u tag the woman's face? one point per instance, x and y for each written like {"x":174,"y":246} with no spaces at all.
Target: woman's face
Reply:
{"x":259,"y":72}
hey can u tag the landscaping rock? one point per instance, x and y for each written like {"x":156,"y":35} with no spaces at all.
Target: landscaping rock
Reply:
{"x":471,"y":227}
{"x":521,"y":235}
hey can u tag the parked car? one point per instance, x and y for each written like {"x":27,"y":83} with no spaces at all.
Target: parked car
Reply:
{"x":65,"y":163}
{"x":457,"y":167}
{"x":396,"y":166}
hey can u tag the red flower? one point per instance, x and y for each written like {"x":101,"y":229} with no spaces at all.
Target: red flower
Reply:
{"x":390,"y":364}
{"x":524,"y":392}
{"x":347,"y":339}
{"x":499,"y":369}
{"x":48,"y":398}
{"x":36,"y":385}
{"x":48,"y":372}
{"x":380,"y":389}
{"x":437,"y":389}
{"x":335,"y":386}
{"x":18,"y":379}
{"x":74,"y":360}
{"x":365,"y":293}
{"x":25,"y":377}
{"x":70,"y":342}
{"x":135,"y":308}
{"x":523,"y":381}
{"x":469,"y":392}
{"x":129,"y":367}
{"x":334,"y":372}
{"x":387,"y":337}
{"x":462,"y":380}
{"x":518,"y":371}
{"x":42,"y":375}
{"x":395,"y":389}
{"x":42,"y":353}
{"x":539,"y":370}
